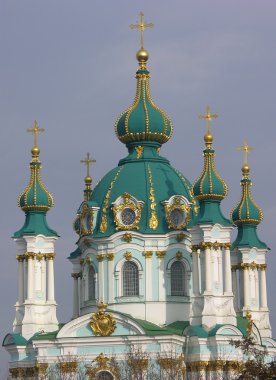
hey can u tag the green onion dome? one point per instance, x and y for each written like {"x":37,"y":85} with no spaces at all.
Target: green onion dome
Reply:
{"x":209,"y":185}
{"x":246,"y":211}
{"x":35,"y":201}
{"x":35,"y":197}
{"x":143,"y":120}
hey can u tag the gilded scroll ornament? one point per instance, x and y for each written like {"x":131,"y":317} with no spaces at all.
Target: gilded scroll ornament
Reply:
{"x":153,"y":222}
{"x":102,"y":323}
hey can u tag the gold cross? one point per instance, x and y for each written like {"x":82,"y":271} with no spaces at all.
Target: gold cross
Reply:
{"x":35,"y":130}
{"x":87,"y":161}
{"x":208,"y":117}
{"x":142,"y":26}
{"x":246,"y":150}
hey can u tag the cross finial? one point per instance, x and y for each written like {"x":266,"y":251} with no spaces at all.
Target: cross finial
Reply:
{"x":141,"y":26}
{"x":87,"y":161}
{"x":208,"y":117}
{"x":246,"y":150}
{"x":35,"y":130}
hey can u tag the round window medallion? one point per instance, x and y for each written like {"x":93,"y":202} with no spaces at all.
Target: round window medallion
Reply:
{"x":178,"y":216}
{"x":128,"y":216}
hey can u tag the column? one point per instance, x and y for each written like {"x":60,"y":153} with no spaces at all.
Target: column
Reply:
{"x":100,"y":259}
{"x":263,"y":294}
{"x":76,"y":295}
{"x":20,"y":259}
{"x":208,"y":267}
{"x":51,"y":280}
{"x":257,"y":295}
{"x":195,"y":255}
{"x":161,"y":276}
{"x":111,"y":280}
{"x":227,"y":268}
{"x":148,"y":266}
{"x":234,"y":285}
{"x":246,"y":284}
{"x":30,"y":289}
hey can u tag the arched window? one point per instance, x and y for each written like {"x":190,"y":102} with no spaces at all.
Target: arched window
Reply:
{"x":177,"y":279}
{"x":104,"y":375}
{"x":130,"y":279}
{"x":91,"y":284}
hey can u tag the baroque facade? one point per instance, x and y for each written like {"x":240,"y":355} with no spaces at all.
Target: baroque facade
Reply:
{"x":155,"y":271}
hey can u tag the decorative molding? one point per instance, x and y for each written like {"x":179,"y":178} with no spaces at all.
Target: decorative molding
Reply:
{"x":251,"y":266}
{"x":127,"y":237}
{"x":214,"y":365}
{"x":68,"y":367}
{"x":75,"y":276}
{"x":102,"y":323}
{"x":127,"y":202}
{"x":128,"y":255}
{"x":178,"y":255}
{"x":103,"y":363}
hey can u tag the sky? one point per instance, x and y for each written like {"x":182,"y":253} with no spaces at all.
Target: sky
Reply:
{"x":71,"y":65}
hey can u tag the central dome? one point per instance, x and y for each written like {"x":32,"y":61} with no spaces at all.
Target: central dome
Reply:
{"x":151,"y":180}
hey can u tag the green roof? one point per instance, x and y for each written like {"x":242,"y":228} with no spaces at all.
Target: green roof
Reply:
{"x":35,"y":224}
{"x":248,"y":237}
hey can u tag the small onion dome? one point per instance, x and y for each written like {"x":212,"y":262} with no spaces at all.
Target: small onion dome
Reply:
{"x":143,"y":120}
{"x":246,"y":211}
{"x":35,"y":197}
{"x":209,"y":185}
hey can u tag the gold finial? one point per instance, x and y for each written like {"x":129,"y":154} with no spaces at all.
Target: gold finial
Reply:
{"x":87,"y":161}
{"x":142,"y":54}
{"x":88,"y":180}
{"x":246,"y":149}
{"x":35,"y":130}
{"x":208,"y":117}
{"x":142,"y":26}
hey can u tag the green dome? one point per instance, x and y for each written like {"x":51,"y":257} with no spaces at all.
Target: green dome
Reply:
{"x":151,"y":180}
{"x":143,"y":120}
{"x":246,"y":211}
{"x":209,"y":185}
{"x":35,"y":201}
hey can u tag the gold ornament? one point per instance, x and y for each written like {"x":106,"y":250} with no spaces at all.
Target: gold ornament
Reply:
{"x":183,"y":209}
{"x":127,"y":237}
{"x":128,"y":256}
{"x":153,"y":222}
{"x":102,"y":323}
{"x":139,"y":150}
{"x":127,"y":203}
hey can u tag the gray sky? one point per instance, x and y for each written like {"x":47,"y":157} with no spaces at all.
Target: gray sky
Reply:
{"x":71,"y":65}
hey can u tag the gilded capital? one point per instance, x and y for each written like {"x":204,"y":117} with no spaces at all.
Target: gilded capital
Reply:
{"x":75,"y":275}
{"x":50,"y":256}
{"x":148,"y":254}
{"x":110,"y":256}
{"x":20,"y":258}
{"x":160,"y":254}
{"x":100,"y":257}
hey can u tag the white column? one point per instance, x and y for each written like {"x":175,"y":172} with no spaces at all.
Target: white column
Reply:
{"x":257,"y":295}
{"x":234,"y":285}
{"x":208,"y":268}
{"x":20,"y":259}
{"x":51,"y":280}
{"x":246,"y":285}
{"x":76,"y":295}
{"x":161,"y":276}
{"x":195,"y":254}
{"x":101,"y":277}
{"x":220,"y":270}
{"x":111,"y":281}
{"x":148,"y":289}
{"x":263,"y":294}
{"x":30,"y":289}
{"x":227,"y":268}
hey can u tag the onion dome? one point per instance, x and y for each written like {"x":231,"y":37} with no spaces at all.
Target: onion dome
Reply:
{"x":209,"y":189}
{"x":247,"y":214}
{"x":246,"y":211}
{"x":35,"y":200}
{"x":143,"y":121}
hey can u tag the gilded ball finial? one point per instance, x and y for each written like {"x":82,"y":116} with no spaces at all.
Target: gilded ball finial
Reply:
{"x":35,"y":151}
{"x":88,"y":180}
{"x":208,"y":138}
{"x":245,"y":169}
{"x":142,"y":56}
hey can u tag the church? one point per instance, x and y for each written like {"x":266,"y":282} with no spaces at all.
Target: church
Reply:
{"x":162,"y":280}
